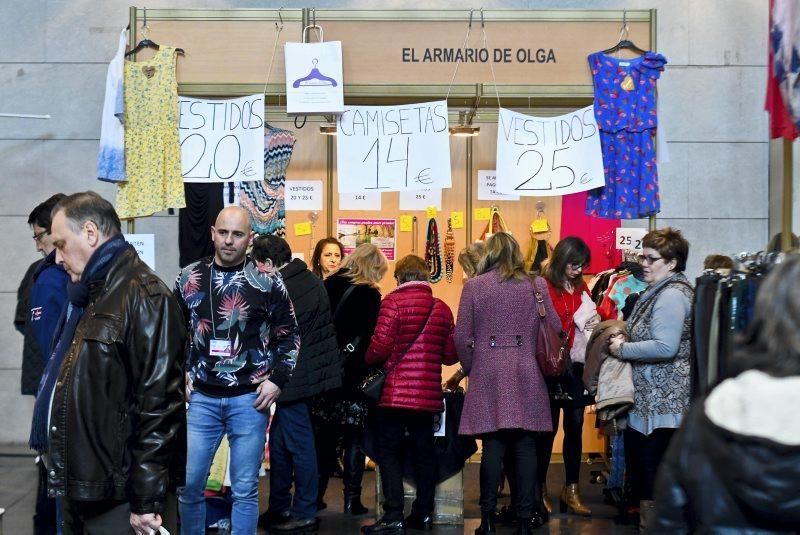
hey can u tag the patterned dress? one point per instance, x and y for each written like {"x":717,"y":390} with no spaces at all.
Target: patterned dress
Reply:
{"x":152,"y":148}
{"x":625,"y":109}
{"x":264,"y":201}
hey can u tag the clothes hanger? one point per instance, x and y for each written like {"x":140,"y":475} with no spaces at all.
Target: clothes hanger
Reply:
{"x":624,"y":42}
{"x":146,"y":42}
{"x":315,"y":75}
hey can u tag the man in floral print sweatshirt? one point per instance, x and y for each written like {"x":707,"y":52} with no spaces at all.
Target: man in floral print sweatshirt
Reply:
{"x":244,"y":341}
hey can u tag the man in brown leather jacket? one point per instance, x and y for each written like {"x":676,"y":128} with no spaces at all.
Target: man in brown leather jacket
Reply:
{"x":111,"y":410}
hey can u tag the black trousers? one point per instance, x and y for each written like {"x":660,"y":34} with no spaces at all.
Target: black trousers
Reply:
{"x":643,"y":455}
{"x":97,"y":518}
{"x":521,"y":446}
{"x":396,"y":432}
{"x":326,"y":440}
{"x":44,"y":517}
{"x":572,"y":447}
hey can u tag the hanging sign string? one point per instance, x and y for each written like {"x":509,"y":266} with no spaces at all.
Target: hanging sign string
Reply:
{"x":491,"y":61}
{"x":278,"y":30}
{"x":466,"y":38}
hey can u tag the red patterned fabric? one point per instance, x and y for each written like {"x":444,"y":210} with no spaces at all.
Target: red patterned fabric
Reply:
{"x":418,"y":328}
{"x":598,"y":233}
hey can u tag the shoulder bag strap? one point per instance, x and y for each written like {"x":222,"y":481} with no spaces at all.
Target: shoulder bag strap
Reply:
{"x":350,"y":347}
{"x":391,"y":368}
{"x":539,"y":301}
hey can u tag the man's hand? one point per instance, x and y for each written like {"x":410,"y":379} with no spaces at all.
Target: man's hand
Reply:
{"x":142,"y":524}
{"x":268,"y":392}
{"x":189,"y":388}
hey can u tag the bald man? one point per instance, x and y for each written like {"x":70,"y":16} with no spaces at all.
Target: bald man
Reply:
{"x":244,"y":342}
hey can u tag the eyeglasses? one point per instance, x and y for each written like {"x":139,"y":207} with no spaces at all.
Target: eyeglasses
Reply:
{"x":649,"y":260}
{"x":38,"y":236}
{"x":583,"y":265}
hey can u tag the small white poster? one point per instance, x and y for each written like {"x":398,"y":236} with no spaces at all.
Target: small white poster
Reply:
{"x":221,"y":140}
{"x":303,"y":195}
{"x":314,"y":77}
{"x":487,"y":183}
{"x":145,"y":245}
{"x":360,"y":200}
{"x":547,"y":156}
{"x":440,"y":423}
{"x":421,"y":199}
{"x":393,"y":148}
{"x":630,"y":238}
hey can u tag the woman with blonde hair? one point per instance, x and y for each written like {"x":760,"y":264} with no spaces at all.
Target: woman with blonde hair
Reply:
{"x":507,"y":403}
{"x":355,"y":297}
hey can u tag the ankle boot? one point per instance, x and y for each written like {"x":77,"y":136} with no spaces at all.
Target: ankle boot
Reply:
{"x":488,"y":525}
{"x":571,"y":501}
{"x":546,"y":500}
{"x":524,"y":527}
{"x":353,"y":506}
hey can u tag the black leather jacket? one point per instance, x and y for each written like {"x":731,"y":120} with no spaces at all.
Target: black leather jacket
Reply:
{"x":118,"y":413}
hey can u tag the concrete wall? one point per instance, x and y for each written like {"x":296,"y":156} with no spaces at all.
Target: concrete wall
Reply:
{"x":53,"y":59}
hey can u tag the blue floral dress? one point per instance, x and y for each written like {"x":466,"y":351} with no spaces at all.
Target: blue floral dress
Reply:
{"x":625,"y":109}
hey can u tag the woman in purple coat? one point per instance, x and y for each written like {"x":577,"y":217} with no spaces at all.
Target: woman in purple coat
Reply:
{"x":506,"y":403}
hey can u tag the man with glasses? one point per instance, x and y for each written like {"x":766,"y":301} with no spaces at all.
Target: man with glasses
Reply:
{"x":41,"y":297}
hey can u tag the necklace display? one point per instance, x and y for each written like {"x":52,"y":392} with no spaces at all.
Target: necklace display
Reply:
{"x":433,"y":254}
{"x":449,"y":251}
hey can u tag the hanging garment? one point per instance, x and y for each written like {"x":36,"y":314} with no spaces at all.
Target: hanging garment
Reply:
{"x":625,"y":109}
{"x":264,"y":200}
{"x":152,"y":148}
{"x":111,"y":158}
{"x":203,"y":205}
{"x":599,"y":234}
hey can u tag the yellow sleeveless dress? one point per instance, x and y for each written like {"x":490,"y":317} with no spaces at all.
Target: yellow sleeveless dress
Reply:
{"x":152,"y":148}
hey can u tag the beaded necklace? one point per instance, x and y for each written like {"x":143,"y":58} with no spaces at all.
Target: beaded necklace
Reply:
{"x":449,"y":251}
{"x":433,"y":255}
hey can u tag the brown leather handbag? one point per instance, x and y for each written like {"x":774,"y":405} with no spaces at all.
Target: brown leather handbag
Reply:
{"x":551,"y":345}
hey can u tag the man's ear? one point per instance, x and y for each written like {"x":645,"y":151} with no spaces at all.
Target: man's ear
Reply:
{"x":92,"y":233}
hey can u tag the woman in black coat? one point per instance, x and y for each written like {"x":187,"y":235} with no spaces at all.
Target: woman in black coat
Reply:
{"x":355,"y":299}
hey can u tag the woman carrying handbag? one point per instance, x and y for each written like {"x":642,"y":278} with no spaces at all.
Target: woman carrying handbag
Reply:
{"x":413,"y":338}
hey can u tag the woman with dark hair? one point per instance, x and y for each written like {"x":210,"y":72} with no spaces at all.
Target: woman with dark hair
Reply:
{"x":413,"y":338}
{"x":659,"y":328}
{"x":327,"y":257}
{"x":573,"y":304}
{"x":506,"y":404}
{"x":734,"y":465}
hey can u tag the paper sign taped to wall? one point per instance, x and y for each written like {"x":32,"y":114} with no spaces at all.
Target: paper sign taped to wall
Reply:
{"x":457,"y":219}
{"x":221,"y":140}
{"x":393,"y":148}
{"x":145,"y":245}
{"x":406,"y":223}
{"x":546,"y":156}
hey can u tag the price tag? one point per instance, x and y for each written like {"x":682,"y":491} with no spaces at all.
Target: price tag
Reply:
{"x":421,"y":199}
{"x":430,"y":212}
{"x":630,"y":239}
{"x":540,"y":225}
{"x":406,"y":223}
{"x":303,"y":195}
{"x":145,"y":245}
{"x":483,"y":214}
{"x":360,"y":200}
{"x":457,"y":219}
{"x":302,"y":229}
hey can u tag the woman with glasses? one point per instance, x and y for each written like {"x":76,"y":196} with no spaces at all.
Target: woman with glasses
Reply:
{"x":660,"y":340}
{"x":568,"y":292}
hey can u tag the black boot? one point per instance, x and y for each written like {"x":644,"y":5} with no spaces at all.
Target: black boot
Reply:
{"x":539,"y":519}
{"x":353,"y":506}
{"x":488,"y":524}
{"x":419,"y":521}
{"x":524,"y":526}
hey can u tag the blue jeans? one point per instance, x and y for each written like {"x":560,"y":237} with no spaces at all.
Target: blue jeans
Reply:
{"x":293,"y":459}
{"x":207,"y":420}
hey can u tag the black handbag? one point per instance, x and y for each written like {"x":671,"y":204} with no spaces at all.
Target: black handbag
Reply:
{"x":372,"y":385}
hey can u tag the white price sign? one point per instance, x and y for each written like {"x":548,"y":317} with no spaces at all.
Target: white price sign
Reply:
{"x":630,"y":239}
{"x":421,"y":200}
{"x":487,"y":182}
{"x":546,"y":156}
{"x":303,"y":195}
{"x":393,"y":148}
{"x":145,"y":245}
{"x":360,"y":200}
{"x":221,"y":140}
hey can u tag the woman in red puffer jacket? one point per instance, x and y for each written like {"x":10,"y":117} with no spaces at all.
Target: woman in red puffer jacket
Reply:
{"x":413,"y":338}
